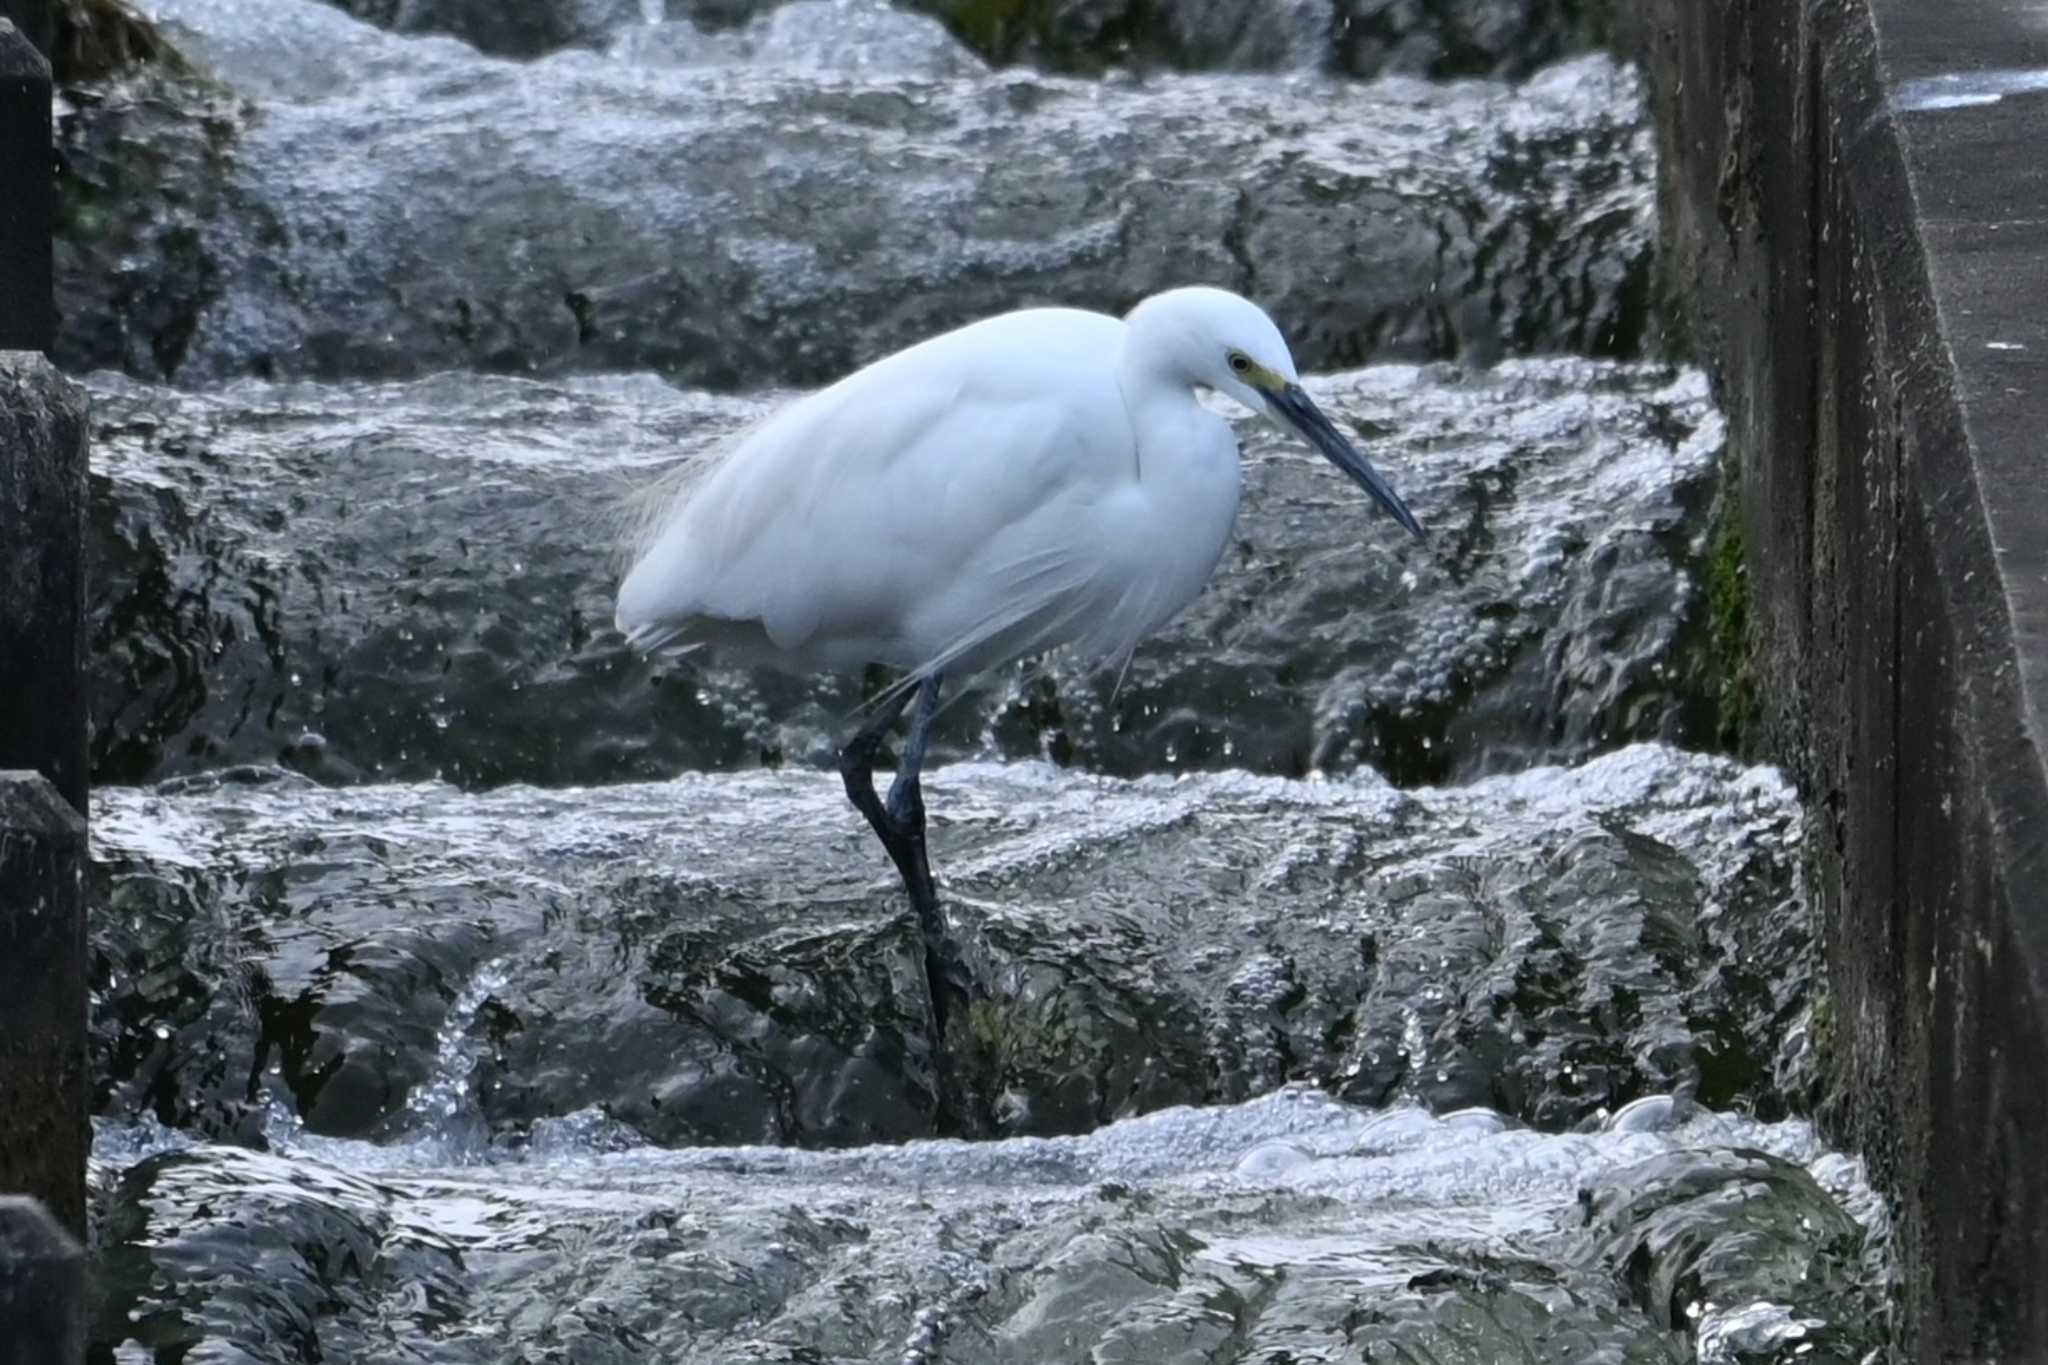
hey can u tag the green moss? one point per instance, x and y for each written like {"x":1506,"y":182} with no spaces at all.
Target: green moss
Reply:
{"x":1080,"y":40}
{"x":1732,"y":639}
{"x":81,"y":210}
{"x":1822,"y":1030}
{"x":986,"y":1025}
{"x":1591,"y":23}
{"x":995,"y":28}
{"x":142,"y":170}
{"x":98,"y":39}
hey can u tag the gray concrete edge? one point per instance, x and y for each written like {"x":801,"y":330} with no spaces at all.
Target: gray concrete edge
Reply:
{"x":1833,"y":238}
{"x":1988,"y":480}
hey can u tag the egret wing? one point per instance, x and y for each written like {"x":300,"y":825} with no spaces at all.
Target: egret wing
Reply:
{"x":931,"y":502}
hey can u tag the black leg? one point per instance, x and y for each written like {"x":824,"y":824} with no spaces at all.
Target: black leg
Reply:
{"x":905,"y":845}
{"x":857,"y":765}
{"x":900,"y":825}
{"x":906,"y":807}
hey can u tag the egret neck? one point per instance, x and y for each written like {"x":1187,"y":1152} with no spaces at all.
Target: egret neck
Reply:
{"x":1188,"y":474}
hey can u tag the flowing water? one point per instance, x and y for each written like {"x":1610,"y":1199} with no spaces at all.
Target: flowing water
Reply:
{"x":432,"y":598}
{"x":1380,"y":972}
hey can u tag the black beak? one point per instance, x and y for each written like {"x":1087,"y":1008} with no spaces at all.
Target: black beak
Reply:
{"x":1319,"y":431}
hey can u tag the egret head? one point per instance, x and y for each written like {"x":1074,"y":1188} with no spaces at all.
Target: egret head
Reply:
{"x":1211,"y":338}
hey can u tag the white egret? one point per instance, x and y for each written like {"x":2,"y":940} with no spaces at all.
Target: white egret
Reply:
{"x":1043,"y":479}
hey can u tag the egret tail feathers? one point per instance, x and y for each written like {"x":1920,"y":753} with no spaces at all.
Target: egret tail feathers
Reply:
{"x":654,"y":636}
{"x":639,"y":515}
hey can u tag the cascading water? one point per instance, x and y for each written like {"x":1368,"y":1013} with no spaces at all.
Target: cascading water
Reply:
{"x":1379,"y":974}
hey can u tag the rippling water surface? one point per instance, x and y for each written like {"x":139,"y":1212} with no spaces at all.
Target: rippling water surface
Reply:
{"x":1381,"y":973}
{"x":1291,"y":1227}
{"x":412,"y":580}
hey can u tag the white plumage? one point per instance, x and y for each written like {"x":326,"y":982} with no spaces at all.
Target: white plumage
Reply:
{"x":1041,"y":479}
{"x":1044,"y":479}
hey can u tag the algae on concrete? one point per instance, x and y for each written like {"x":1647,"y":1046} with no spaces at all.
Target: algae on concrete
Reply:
{"x":1732,"y":640}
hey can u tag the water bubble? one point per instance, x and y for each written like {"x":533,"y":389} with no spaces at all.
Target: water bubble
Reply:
{"x":1271,"y":1158}
{"x":1649,"y":1114}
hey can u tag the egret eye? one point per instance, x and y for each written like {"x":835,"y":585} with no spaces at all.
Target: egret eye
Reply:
{"x":1240,"y":362}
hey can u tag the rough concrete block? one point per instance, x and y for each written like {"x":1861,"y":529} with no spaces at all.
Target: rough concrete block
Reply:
{"x":28,"y":318}
{"x":42,"y":1287}
{"x":44,"y":1086}
{"x":42,"y":573}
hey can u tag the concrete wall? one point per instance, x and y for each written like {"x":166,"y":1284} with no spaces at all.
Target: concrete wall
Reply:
{"x":27,"y":317}
{"x":45,"y":1082}
{"x":43,"y":568}
{"x":45,"y":1087}
{"x":1856,"y":199}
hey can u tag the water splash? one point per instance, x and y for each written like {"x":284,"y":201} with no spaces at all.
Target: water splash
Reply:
{"x":310,"y":592}
{"x":1754,"y":1331}
{"x":443,"y":1109}
{"x":1445,"y":1231}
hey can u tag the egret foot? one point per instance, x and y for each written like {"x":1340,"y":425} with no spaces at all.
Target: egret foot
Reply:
{"x":900,"y":824}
